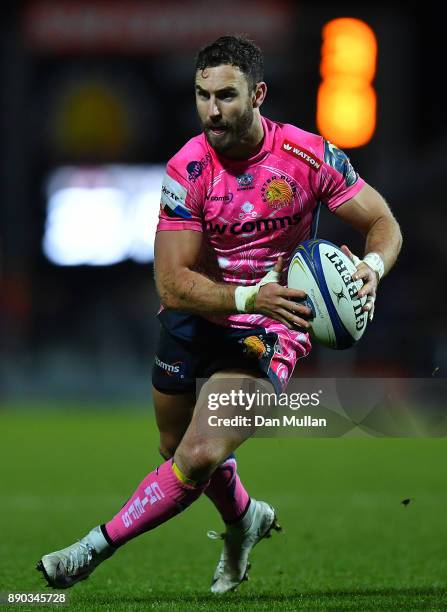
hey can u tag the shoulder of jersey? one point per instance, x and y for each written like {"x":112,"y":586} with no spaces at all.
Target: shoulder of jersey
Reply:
{"x":191,"y":160}
{"x":305,"y":147}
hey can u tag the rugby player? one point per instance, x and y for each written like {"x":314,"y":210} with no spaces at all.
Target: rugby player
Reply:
{"x":236,"y":200}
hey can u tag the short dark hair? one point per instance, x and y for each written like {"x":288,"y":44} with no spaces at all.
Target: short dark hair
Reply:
{"x":237,"y":50}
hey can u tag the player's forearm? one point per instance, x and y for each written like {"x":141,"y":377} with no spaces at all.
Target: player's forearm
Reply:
{"x":193,"y":292}
{"x":385,"y":238}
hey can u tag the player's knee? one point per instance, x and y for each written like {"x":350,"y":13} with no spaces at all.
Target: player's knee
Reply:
{"x":198,"y":460}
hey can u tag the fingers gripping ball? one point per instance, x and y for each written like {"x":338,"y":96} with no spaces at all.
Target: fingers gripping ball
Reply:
{"x":324,"y":272}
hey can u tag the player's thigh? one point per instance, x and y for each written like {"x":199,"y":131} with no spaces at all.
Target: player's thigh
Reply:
{"x":173,"y":413}
{"x":205,"y":446}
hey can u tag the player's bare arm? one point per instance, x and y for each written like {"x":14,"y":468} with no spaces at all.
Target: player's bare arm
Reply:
{"x":178,"y":285}
{"x":182,"y":288}
{"x":369,"y":214}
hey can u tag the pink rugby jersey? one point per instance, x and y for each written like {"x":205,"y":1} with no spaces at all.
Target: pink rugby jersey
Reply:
{"x":254,"y":210}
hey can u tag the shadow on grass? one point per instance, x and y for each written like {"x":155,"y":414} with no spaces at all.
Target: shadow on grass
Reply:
{"x":401,"y":596}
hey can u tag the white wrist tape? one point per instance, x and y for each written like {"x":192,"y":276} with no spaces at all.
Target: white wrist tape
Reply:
{"x":375,"y":262}
{"x":245,"y":296}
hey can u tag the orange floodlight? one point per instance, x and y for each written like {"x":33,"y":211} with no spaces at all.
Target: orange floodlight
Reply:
{"x":346,"y":103}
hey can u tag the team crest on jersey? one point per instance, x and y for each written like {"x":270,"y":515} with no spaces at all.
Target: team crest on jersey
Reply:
{"x":255,"y":347}
{"x":245,"y":181}
{"x":278,"y":192}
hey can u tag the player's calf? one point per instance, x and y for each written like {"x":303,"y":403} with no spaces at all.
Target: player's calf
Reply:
{"x":161,"y":495}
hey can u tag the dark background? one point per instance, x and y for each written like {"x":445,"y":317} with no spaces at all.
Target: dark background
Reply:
{"x":89,"y":331}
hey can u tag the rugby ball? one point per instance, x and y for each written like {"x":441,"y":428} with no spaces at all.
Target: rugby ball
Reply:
{"x":323,"y":271}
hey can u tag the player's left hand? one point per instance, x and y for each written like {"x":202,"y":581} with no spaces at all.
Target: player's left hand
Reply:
{"x":370,"y":280}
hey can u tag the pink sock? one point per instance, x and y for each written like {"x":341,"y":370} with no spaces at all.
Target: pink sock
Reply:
{"x":227,"y":492}
{"x":159,"y":497}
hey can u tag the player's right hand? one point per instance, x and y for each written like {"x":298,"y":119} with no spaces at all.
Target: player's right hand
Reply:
{"x":370,"y":280}
{"x":277,"y":302}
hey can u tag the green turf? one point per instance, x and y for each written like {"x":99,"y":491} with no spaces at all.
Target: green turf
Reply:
{"x":349,"y":544}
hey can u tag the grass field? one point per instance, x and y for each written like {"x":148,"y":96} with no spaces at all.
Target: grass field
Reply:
{"x":349,"y":544}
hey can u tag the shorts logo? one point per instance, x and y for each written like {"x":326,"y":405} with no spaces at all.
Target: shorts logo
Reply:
{"x":306,"y":156}
{"x":171,"y":369}
{"x":278,"y":192}
{"x":245,"y":181}
{"x":195,"y":168}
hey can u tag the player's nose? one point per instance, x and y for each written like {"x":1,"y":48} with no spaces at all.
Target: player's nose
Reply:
{"x":213,"y":109}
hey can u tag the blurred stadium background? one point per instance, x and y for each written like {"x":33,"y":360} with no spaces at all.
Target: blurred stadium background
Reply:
{"x":96,"y":96}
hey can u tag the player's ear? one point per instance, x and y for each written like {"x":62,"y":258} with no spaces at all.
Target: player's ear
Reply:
{"x":259,"y":94}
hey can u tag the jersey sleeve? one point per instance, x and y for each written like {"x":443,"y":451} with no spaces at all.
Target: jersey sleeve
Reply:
{"x":180,"y":204}
{"x":338,"y":179}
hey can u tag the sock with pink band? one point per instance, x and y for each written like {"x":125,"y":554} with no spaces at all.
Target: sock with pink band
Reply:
{"x":227,"y":492}
{"x":161,"y":495}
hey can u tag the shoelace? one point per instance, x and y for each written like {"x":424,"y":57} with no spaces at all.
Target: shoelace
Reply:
{"x":224,"y":558}
{"x":213,"y":535}
{"x":80,"y":556}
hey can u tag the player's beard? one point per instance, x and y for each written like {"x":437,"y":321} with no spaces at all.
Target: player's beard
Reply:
{"x":234,"y":134}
